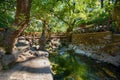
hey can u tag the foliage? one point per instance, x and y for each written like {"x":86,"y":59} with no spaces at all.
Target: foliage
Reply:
{"x":35,"y":25}
{"x":5,"y":20}
{"x":63,"y":67}
{"x":60,"y":14}
{"x":63,"y":14}
{"x":7,"y":5}
{"x":7,"y":13}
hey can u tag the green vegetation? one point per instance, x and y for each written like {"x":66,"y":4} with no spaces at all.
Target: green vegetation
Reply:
{"x":57,"y":16}
{"x":7,"y":12}
{"x":71,"y":66}
{"x":65,"y":66}
{"x":63,"y":15}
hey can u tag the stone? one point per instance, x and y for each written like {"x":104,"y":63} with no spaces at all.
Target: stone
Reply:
{"x":37,"y":47}
{"x":78,"y":51}
{"x":22,"y":43}
{"x":70,"y":46}
{"x":1,"y":54}
{"x":34,"y":69}
{"x":55,"y":43}
{"x":21,"y":58}
{"x":91,"y":52}
{"x":1,"y":66}
{"x":7,"y":59}
{"x":21,"y":38}
{"x":43,"y":53}
{"x":107,"y":37}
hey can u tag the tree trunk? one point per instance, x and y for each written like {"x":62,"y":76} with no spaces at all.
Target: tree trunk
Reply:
{"x":70,"y":28}
{"x":22,"y":12}
{"x":116,"y":15}
{"x":42,"y":40}
{"x":102,"y":4}
{"x":109,"y":16}
{"x":21,"y":21}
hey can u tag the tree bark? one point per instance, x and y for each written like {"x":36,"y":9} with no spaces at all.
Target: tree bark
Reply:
{"x":22,"y":11}
{"x":42,"y":40}
{"x":21,"y":21}
{"x":116,"y":15}
{"x":102,"y":4}
{"x":109,"y":16}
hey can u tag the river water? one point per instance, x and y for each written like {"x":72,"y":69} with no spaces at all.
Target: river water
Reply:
{"x":70,"y":66}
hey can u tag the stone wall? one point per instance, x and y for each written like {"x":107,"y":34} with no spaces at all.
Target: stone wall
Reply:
{"x":103,"y":46}
{"x":98,"y":38}
{"x":116,"y":37}
{"x":94,"y":42}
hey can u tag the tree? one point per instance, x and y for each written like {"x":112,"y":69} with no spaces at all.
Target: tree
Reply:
{"x":43,"y":12}
{"x":102,"y":3}
{"x":6,"y":9}
{"x":76,"y":12}
{"x":116,"y":15}
{"x":21,"y":22}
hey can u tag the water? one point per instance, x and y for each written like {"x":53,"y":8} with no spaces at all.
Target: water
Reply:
{"x":69,"y":66}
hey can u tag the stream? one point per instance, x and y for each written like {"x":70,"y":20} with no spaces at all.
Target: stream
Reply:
{"x":67,"y":65}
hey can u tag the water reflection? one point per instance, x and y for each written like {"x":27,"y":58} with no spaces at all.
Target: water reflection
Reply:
{"x":69,"y":66}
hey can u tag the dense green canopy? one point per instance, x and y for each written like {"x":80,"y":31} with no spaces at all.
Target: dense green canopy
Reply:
{"x":60,"y":14}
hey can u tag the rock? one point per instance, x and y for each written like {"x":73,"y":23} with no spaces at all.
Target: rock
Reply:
{"x":70,"y":46}
{"x":90,"y":52}
{"x":22,"y":43}
{"x":40,"y":53}
{"x":1,"y":54}
{"x":95,"y":56}
{"x":107,"y":37}
{"x":21,"y":38}
{"x":43,"y":53}
{"x":74,"y":47}
{"x":7,"y":59}
{"x":36,"y":47}
{"x":21,"y":58}
{"x":78,"y":51}
{"x":1,"y":66}
{"x":115,"y":60}
{"x":55,"y":43}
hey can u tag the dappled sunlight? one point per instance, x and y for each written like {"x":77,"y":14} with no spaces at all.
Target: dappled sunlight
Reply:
{"x":33,"y":68}
{"x":81,"y":38}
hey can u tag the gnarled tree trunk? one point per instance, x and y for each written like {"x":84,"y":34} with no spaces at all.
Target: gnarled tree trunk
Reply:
{"x":21,"y":21}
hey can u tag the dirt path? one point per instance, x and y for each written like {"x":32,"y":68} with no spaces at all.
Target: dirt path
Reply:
{"x":34,"y":69}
